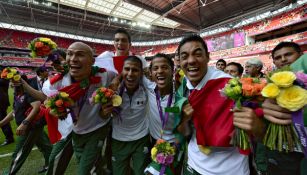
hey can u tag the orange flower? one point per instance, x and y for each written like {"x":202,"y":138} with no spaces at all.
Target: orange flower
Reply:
{"x":111,"y":91}
{"x":4,"y":74}
{"x":246,"y":80}
{"x":103,"y":89}
{"x":39,"y":44}
{"x":248,"y":90}
{"x":46,"y":48}
{"x":160,"y":141}
{"x":59,"y":103}
{"x":108,"y":94}
{"x":258,"y":88}
{"x":5,"y":70}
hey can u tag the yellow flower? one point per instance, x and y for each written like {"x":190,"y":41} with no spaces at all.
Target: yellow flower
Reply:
{"x":292,"y":98}
{"x":233,"y":82}
{"x":97,"y":98}
{"x":10,"y":75}
{"x":16,"y":77}
{"x":45,"y":39}
{"x":204,"y":149}
{"x":116,"y":100}
{"x":172,"y":151}
{"x":271,"y":90}
{"x":154,"y":151}
{"x":64,"y":94}
{"x":232,"y":92}
{"x":237,"y":89}
{"x":47,"y":103}
{"x":283,"y":79}
{"x":14,"y":71}
{"x":153,"y":158}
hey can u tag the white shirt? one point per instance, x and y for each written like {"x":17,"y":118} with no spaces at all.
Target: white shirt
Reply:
{"x":155,"y":123}
{"x":64,"y":126}
{"x":105,"y":60}
{"x":133,"y":124}
{"x":88,"y":118}
{"x":220,"y":161}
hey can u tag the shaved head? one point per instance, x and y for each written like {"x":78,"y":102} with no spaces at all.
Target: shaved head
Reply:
{"x":82,"y":46}
{"x":80,"y":60}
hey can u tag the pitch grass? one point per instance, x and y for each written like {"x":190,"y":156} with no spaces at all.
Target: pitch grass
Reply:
{"x":34,"y":161}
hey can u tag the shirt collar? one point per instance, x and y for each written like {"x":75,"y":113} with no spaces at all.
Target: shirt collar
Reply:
{"x":201,"y":83}
{"x":130,"y":53}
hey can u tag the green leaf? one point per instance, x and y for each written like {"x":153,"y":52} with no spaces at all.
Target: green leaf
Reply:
{"x":85,"y":83}
{"x":238,"y":103}
{"x":174,"y":109}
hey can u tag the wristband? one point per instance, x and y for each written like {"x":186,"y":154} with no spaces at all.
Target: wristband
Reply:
{"x":25,"y":122}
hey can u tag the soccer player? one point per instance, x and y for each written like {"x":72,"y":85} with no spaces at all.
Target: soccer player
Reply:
{"x":30,"y":132}
{"x":91,"y":128}
{"x":130,"y":135}
{"x":284,"y":54}
{"x":162,"y":124}
{"x":213,"y":119}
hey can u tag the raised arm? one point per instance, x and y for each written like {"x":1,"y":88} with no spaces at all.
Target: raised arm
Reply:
{"x":36,"y":94}
{"x":9,"y":117}
{"x":22,"y":128}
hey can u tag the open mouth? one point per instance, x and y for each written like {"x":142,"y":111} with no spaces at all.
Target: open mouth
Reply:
{"x":75,"y":68}
{"x":192,"y":70}
{"x":120,"y":49}
{"x":130,"y":81}
{"x":161,"y":79}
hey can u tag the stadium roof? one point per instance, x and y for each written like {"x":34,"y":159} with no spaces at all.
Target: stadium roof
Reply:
{"x":146,"y":20}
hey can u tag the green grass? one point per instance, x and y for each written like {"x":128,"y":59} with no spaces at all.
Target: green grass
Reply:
{"x":35,"y":160}
{"x":8,"y":148}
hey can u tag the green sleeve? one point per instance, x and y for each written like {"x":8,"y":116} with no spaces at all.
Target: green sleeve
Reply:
{"x":300,"y":64}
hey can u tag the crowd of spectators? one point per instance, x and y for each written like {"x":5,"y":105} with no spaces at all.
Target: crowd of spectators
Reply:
{"x":17,"y":39}
{"x":19,"y":61}
{"x":279,"y":21}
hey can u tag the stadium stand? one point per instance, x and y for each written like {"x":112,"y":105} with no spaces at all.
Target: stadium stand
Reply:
{"x":18,"y":39}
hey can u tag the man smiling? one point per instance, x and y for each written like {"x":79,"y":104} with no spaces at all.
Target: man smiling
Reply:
{"x":284,"y":54}
{"x":113,"y":61}
{"x":90,"y":130}
{"x":211,"y":115}
{"x":130,"y":139}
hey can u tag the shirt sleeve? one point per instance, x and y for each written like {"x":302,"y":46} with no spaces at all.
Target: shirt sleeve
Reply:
{"x":29,"y":99}
{"x":300,"y":64}
{"x":48,"y":89}
{"x":148,"y":84}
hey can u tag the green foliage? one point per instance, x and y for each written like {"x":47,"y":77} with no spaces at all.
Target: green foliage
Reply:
{"x":35,"y":160}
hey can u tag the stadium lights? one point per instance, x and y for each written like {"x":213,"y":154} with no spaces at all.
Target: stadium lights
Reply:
{"x":37,"y":2}
{"x":207,"y":32}
{"x":205,"y":3}
{"x":131,"y":23}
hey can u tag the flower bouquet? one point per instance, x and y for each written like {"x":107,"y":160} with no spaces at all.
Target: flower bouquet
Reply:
{"x":244,"y":91}
{"x":163,"y":153}
{"x":10,"y":74}
{"x":41,"y":47}
{"x":58,"y":105}
{"x":104,"y":95}
{"x":289,"y":91}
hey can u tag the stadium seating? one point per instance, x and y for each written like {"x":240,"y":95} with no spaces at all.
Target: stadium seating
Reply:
{"x":18,"y":39}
